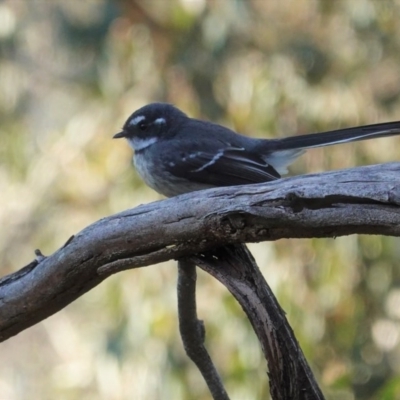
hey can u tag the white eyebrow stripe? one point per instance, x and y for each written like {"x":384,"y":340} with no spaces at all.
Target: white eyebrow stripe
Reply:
{"x":160,"y":121}
{"x":136,"y":120}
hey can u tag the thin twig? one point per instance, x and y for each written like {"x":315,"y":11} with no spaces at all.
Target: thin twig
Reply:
{"x":193,"y":331}
{"x":39,"y":256}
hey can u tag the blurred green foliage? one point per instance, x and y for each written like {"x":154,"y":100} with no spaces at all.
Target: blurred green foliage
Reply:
{"x":70,"y":74}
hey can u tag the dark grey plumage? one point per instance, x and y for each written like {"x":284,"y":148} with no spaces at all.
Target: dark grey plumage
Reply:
{"x":175,"y":154}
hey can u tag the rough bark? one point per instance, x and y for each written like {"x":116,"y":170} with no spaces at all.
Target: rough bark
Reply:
{"x":290,"y":376}
{"x":363,"y":200}
{"x":193,"y":331}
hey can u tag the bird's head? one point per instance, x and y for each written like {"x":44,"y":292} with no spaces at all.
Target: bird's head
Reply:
{"x":150,"y":124}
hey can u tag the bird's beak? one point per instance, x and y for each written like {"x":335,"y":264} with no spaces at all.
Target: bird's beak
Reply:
{"x":119,"y":135}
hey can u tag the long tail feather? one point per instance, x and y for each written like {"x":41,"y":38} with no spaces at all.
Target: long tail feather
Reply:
{"x":280,"y":153}
{"x":339,"y":136}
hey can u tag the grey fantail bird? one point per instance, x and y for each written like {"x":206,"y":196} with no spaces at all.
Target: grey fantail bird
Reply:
{"x":175,"y":154}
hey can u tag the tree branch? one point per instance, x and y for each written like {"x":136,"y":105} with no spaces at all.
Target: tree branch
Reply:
{"x":289,"y":373}
{"x":362,"y":200}
{"x":193,"y":331}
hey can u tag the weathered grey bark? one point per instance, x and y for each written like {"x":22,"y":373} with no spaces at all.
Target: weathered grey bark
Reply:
{"x":193,"y":331}
{"x":290,"y":376}
{"x":234,"y":266}
{"x":361,"y":200}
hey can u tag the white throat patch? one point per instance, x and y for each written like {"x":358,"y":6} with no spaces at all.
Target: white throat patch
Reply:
{"x":138,"y":144}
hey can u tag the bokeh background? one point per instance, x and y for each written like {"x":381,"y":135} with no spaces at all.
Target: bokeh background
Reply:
{"x":72,"y":71}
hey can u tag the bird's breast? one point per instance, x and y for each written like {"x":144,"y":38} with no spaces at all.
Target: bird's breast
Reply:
{"x":158,"y":178}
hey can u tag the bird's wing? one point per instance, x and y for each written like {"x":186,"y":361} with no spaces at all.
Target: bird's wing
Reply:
{"x":226,"y":166}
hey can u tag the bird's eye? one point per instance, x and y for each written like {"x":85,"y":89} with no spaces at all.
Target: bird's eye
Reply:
{"x":142,"y":126}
